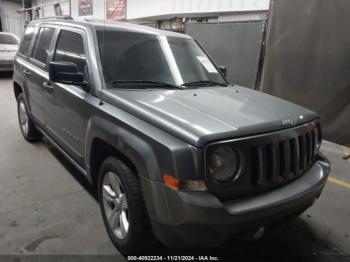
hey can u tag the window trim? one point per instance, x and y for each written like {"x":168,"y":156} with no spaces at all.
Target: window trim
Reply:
{"x":32,"y":59}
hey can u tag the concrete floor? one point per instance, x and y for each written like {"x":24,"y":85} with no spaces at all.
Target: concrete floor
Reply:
{"x":46,"y":207}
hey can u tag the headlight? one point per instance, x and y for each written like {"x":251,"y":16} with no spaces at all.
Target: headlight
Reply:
{"x":223,"y":164}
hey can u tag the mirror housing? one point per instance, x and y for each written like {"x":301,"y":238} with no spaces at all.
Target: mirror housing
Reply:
{"x":66,"y":73}
{"x":223,"y":70}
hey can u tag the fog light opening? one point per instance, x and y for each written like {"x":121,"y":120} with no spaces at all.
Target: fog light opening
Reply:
{"x":259,"y":233}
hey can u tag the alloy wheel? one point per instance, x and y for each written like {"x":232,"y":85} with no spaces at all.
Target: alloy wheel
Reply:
{"x":115,"y":205}
{"x":23,"y":117}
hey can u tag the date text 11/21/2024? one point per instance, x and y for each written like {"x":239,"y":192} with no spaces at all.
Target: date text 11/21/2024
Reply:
{"x":173,"y":258}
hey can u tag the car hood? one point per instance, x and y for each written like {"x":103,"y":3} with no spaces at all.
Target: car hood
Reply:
{"x":199,"y":116}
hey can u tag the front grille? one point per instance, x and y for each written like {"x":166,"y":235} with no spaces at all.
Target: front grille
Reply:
{"x":269,"y":160}
{"x":283,"y":159}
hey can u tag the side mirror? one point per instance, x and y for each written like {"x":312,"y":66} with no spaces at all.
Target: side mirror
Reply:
{"x":223,"y":70}
{"x":66,"y":73}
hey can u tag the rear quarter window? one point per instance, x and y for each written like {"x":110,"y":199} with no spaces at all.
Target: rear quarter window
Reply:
{"x":27,"y":39}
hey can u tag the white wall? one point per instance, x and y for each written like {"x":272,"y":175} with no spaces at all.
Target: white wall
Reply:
{"x":139,"y":9}
{"x":48,"y":6}
{"x":153,"y":8}
{"x":249,"y":16}
{"x":98,"y":10}
{"x":11,"y":21}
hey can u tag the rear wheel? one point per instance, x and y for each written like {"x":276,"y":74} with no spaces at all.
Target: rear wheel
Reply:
{"x":28,"y":130}
{"x":122,"y":206}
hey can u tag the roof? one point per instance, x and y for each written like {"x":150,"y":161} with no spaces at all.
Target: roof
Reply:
{"x":112,"y":25}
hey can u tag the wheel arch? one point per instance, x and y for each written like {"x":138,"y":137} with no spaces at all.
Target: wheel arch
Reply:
{"x":107,"y":139}
{"x":17,"y":89}
{"x":100,"y":151}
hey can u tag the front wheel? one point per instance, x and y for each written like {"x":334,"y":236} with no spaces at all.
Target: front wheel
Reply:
{"x":122,"y":206}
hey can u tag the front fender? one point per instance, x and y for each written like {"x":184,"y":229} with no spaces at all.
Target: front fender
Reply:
{"x":137,"y":150}
{"x":151,"y":150}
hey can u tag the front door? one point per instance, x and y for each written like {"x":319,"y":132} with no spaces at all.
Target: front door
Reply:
{"x":66,"y":109}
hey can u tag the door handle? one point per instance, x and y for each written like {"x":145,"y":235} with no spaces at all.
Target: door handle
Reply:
{"x":48,"y":86}
{"x":27,"y":72}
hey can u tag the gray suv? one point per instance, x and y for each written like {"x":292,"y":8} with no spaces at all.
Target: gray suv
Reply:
{"x":176,"y":153}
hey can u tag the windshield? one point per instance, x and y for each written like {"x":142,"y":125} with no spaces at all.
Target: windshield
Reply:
{"x":6,"y":39}
{"x":130,"y":57}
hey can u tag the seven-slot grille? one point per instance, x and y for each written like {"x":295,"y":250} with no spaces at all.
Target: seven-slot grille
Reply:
{"x":285,"y":159}
{"x":268,"y":160}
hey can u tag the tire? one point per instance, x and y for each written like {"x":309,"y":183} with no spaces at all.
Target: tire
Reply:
{"x":28,"y":130}
{"x":115,"y":176}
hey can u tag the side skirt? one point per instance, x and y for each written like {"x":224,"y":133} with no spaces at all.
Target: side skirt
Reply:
{"x":71,"y":160}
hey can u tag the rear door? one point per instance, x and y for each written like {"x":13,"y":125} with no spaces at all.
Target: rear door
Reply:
{"x":37,"y":72}
{"x":66,"y":108}
{"x":22,"y":71}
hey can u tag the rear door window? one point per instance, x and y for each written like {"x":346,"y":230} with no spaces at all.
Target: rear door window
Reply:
{"x":42,"y":44}
{"x":27,"y":40}
{"x":70,"y":48}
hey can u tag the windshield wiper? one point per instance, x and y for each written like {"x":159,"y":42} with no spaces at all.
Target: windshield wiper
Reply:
{"x":203,"y":83}
{"x":157,"y":84}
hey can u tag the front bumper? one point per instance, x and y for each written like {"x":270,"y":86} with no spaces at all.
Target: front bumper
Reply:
{"x":6,"y":64}
{"x":199,"y":218}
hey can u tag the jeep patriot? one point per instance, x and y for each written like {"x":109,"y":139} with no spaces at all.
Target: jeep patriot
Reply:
{"x":176,"y":152}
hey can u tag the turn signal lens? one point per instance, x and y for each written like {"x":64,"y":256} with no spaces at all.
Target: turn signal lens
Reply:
{"x":184,"y":185}
{"x":171,"y":182}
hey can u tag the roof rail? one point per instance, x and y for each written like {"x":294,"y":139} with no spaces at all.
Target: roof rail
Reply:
{"x":65,"y":17}
{"x":95,"y":20}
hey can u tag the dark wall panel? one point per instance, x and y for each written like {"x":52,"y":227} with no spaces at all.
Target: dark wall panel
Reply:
{"x":237,"y":45}
{"x":307,"y":60}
